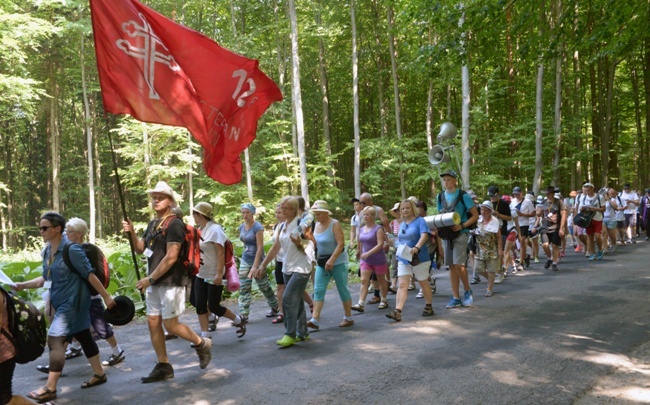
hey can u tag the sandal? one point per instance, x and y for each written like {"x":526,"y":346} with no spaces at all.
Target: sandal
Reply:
{"x":99,"y":380}
{"x":45,"y":396}
{"x":241,"y":331}
{"x":273,"y":312}
{"x":374,"y":300}
{"x":279,"y":319}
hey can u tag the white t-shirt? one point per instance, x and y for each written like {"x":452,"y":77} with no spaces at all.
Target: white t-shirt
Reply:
{"x":355,"y":221}
{"x":211,"y":235}
{"x":295,"y":260}
{"x":626,"y":197}
{"x":527,"y":207}
{"x":596,"y":201}
{"x":513,"y":214}
{"x":280,"y":256}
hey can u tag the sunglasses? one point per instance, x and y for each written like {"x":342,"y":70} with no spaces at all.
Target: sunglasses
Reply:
{"x":362,"y":202}
{"x":45,"y":228}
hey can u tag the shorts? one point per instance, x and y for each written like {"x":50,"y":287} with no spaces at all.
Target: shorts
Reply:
{"x":456,"y":250}
{"x":486,"y":265}
{"x":512,"y":237}
{"x":524,"y":231}
{"x":630,"y":220}
{"x":377,"y":268}
{"x":578,"y":230}
{"x":552,"y":237}
{"x":279,"y":278}
{"x":620,"y":224}
{"x":611,"y":224}
{"x":166,"y":301}
{"x":420,"y":272}
{"x":595,"y":227}
{"x":102,"y":328}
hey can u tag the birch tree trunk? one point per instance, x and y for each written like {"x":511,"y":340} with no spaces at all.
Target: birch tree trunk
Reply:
{"x":398,"y":119}
{"x":89,"y":144}
{"x":55,"y":142}
{"x":607,"y":131}
{"x":537,"y":179}
{"x":324,"y":88}
{"x":465,"y":117}
{"x":297,"y":102}
{"x":355,"y":102}
{"x":557,"y":127}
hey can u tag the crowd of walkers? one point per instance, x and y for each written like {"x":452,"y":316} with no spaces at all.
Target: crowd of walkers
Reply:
{"x":500,"y":236}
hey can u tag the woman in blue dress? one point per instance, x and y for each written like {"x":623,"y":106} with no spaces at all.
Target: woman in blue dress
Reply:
{"x":70,"y":301}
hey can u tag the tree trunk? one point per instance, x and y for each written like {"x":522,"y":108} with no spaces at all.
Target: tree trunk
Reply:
{"x":557,"y":127}
{"x":398,"y":120}
{"x":537,"y":179}
{"x":297,"y":102}
{"x":464,"y":71}
{"x":607,"y":132}
{"x":355,"y":103}
{"x":89,"y":143}
{"x":644,"y":175}
{"x":324,"y":88}
{"x":55,"y":142}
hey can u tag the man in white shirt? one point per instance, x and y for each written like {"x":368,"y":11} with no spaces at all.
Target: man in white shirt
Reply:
{"x":631,"y":199}
{"x":592,"y":201}
{"x":526,"y":211}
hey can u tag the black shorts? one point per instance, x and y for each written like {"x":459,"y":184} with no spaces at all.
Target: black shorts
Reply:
{"x":552,"y":237}
{"x":620,"y":224}
{"x":524,"y":230}
{"x":279,"y":278}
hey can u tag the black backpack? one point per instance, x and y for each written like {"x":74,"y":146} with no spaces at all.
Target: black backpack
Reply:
{"x":27,"y":327}
{"x":97,"y":262}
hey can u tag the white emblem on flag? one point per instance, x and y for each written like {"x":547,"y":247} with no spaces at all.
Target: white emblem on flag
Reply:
{"x":149,"y":52}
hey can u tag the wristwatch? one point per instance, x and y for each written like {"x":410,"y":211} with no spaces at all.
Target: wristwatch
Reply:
{"x":152,"y":280}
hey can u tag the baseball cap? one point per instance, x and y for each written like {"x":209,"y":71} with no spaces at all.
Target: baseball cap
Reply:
{"x":516,"y":190}
{"x":493,"y":190}
{"x":449,"y":173}
{"x":626,"y":185}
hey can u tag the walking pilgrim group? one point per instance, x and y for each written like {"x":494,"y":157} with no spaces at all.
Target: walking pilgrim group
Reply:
{"x":500,"y":236}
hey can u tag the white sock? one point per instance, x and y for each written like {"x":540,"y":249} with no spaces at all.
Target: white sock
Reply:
{"x":361,"y":303}
{"x":237,"y":319}
{"x":75,"y":345}
{"x":117,"y":350}
{"x":206,"y":334}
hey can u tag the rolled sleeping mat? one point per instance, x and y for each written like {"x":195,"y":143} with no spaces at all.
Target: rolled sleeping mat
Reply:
{"x":232,"y":277}
{"x":442,"y":220}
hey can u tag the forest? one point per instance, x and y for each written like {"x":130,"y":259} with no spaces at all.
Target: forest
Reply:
{"x":543,"y":92}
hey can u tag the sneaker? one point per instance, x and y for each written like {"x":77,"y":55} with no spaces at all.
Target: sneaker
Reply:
{"x":475,"y":280}
{"x":468,"y":298}
{"x":312,"y":324}
{"x":537,"y":260}
{"x":302,"y":338}
{"x":432,"y":282}
{"x":286,"y":341}
{"x":71,"y":353}
{"x":169,"y":336}
{"x":562,"y":254}
{"x":488,"y":293}
{"x":578,"y":249}
{"x":420,"y":295}
{"x":113,"y":360}
{"x":345,"y":323}
{"x":548,"y":263}
{"x":358,"y":308}
{"x":454,"y":303}
{"x":383,"y":305}
{"x":427,"y":311}
{"x":599,"y":255}
{"x":395,"y":315}
{"x":162,"y":371}
{"x":592,"y":258}
{"x":204,"y":351}
{"x":411,"y":287}
{"x":527,"y":260}
{"x":554,"y":267}
{"x":520,"y":268}
{"x":633,"y":241}
{"x":498,"y":279}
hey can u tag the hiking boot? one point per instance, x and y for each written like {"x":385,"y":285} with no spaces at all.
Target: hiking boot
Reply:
{"x":204,"y":351}
{"x":113,"y":360}
{"x":162,"y":371}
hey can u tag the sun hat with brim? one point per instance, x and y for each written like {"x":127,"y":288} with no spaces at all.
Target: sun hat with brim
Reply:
{"x":487,"y":204}
{"x":163,"y":188}
{"x":549,"y":189}
{"x":320,"y":206}
{"x":122,"y":313}
{"x":395,"y":207}
{"x":204,"y":209}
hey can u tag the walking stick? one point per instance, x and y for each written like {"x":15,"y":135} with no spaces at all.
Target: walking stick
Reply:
{"x":119,"y":193}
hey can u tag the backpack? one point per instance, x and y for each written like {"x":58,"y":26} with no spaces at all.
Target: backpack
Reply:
{"x":97,"y":262}
{"x":190,"y":253}
{"x":27,"y":327}
{"x":446,"y":232}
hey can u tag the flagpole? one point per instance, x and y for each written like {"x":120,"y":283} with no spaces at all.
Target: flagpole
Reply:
{"x":119,"y":193}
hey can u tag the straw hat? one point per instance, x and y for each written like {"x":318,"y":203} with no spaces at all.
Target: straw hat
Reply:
{"x":321,"y":206}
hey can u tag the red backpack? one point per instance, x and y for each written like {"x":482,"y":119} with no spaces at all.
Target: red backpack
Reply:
{"x":190,"y":253}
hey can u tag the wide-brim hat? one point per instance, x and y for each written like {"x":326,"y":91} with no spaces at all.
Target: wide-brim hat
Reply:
{"x":549,"y":189}
{"x":320,"y":206}
{"x":122,"y":313}
{"x":164,"y":188}
{"x":204,"y":209}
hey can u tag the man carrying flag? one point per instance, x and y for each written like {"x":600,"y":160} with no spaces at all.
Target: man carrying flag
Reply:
{"x":161,"y":72}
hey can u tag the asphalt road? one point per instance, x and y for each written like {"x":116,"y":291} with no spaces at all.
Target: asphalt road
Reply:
{"x":580,"y":335}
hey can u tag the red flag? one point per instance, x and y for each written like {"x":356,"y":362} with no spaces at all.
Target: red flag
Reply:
{"x":159,"y":71}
